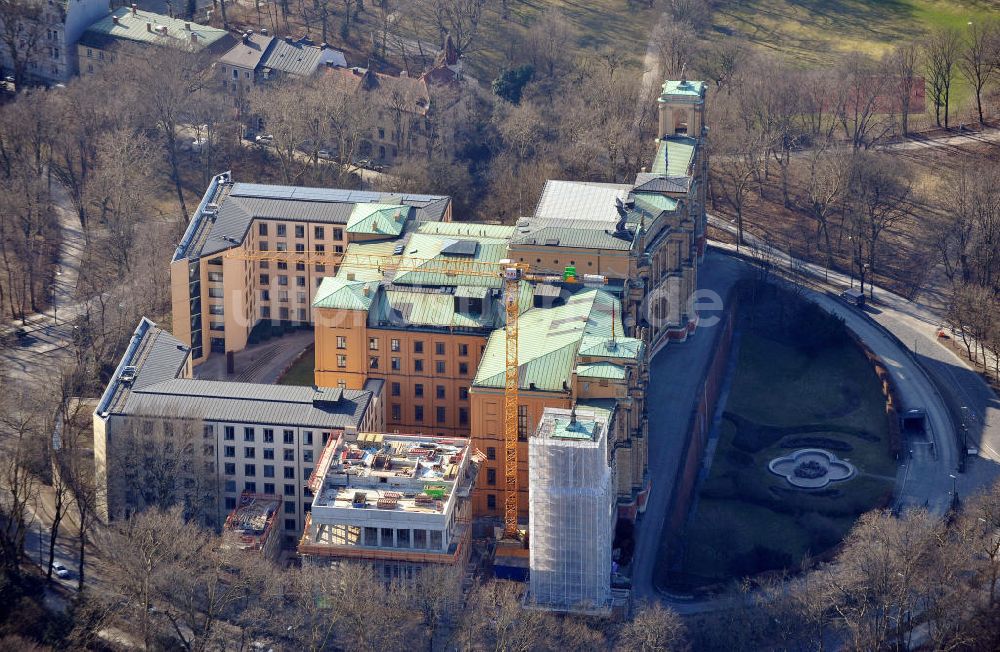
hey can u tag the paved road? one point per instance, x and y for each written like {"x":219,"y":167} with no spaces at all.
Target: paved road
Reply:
{"x":676,"y":374}
{"x":915,"y":324}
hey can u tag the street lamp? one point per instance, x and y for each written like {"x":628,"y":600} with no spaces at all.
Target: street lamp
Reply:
{"x":965,"y":429}
{"x":954,"y":491}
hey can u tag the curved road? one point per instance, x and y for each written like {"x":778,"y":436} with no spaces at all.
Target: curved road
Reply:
{"x":924,"y":477}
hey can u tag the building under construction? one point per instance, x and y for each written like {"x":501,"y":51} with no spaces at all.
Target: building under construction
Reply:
{"x":571,"y":511}
{"x":396,"y":501}
{"x":253,"y":527}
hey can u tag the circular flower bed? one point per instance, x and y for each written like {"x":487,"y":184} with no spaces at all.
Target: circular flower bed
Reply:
{"x":810,"y":469}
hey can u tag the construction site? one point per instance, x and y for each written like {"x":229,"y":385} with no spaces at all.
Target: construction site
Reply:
{"x":252,"y":527}
{"x":508,"y":364}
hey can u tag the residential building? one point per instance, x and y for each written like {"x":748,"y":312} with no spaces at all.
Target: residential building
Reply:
{"x":398,"y":502}
{"x":219,"y":294}
{"x":572,"y":516}
{"x":162,"y":436}
{"x":100,"y":42}
{"x":253,"y":526}
{"x":401,"y":107}
{"x":50,"y":30}
{"x":414,"y":322}
{"x":259,"y":58}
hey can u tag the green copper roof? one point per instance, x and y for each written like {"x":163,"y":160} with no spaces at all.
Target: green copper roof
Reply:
{"x":655,"y":203}
{"x":163,"y":30}
{"x":342,"y":294}
{"x":628,"y":348}
{"x":686,"y":87}
{"x":549,"y":340}
{"x":601,"y":370}
{"x":564,"y":429}
{"x":681,"y":155}
{"x":381,"y":248}
{"x":466,"y":229}
{"x":603,"y":408}
{"x":436,"y":249}
{"x":378,"y":219}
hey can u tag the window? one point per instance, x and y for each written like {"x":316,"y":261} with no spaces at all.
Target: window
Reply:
{"x":289,"y":490}
{"x":418,"y":346}
{"x":396,"y":412}
{"x":418,"y":365}
{"x":231,"y":486}
{"x":394,"y":345}
{"x":236,"y":73}
{"x":265,"y":295}
{"x":289,"y":473}
{"x":395,"y":389}
{"x":522,"y":422}
{"x":463,"y":416}
{"x":300,"y":281}
{"x":250,"y":470}
{"x":307,"y":438}
{"x":439,"y":391}
{"x":491,"y":477}
{"x":491,"y":453}
{"x":395,"y":364}
{"x":250,"y":487}
{"x":441,"y":414}
{"x":282,"y":231}
{"x":373,"y":362}
{"x":208,"y":431}
{"x":230,"y":451}
{"x":318,"y":232}
{"x":438,"y":348}
{"x":491,"y":501}
{"x":268,"y":453}
{"x":300,"y":248}
{"x":300,"y":231}
{"x":403,"y":538}
{"x":289,"y":507}
{"x":269,"y":488}
{"x":249,"y":452}
{"x":268,"y":435}
{"x":418,"y":412}
{"x":289,"y":523}
{"x":230,"y":468}
{"x":230,"y":501}
{"x":268,"y":470}
{"x":288,"y":454}
{"x":373,"y":344}
{"x":463,"y":368}
{"x":289,"y":436}
{"x":341,"y":361}
{"x":338,"y":234}
{"x":248,"y":434}
{"x":341,"y":342}
{"x":439,"y":367}
{"x":307,"y":456}
{"x":262,"y":228}
{"x":230,"y":433}
{"x":418,"y":390}
{"x":263,"y":246}
{"x":463,"y":350}
{"x":282,"y":264}
{"x":282,"y":280}
{"x":463,"y":393}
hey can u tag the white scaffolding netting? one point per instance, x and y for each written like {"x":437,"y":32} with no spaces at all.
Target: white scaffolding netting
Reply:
{"x":571,"y":519}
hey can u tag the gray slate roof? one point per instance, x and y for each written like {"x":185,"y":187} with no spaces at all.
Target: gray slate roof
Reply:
{"x":648,"y":182}
{"x":240,"y":203}
{"x":278,"y":405}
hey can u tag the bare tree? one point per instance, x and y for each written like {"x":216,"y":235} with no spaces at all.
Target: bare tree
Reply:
{"x":942,"y":51}
{"x":901,"y":65}
{"x":21,"y":30}
{"x":654,"y":629}
{"x":860,"y":91}
{"x":979,"y":60}
{"x":459,"y":18}
{"x":823,"y":191}
{"x":494,"y":618}
{"x":677,"y":46}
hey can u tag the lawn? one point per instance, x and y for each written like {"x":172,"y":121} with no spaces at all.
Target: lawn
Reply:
{"x":818,"y":30}
{"x":785,"y":397}
{"x":302,"y":370}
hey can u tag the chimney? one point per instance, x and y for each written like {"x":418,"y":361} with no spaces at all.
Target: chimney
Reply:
{"x":114,"y":19}
{"x":288,"y":39}
{"x":246,"y":37}
{"x":135,"y":9}
{"x":187,"y":26}
{"x":324,"y":45}
{"x":194,"y":37}
{"x":263,"y":31}
{"x":149,"y":26}
{"x":350,"y":276}
{"x":366,"y":290}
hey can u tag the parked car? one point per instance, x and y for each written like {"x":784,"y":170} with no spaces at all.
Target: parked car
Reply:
{"x":61,"y":571}
{"x":325,"y":154}
{"x":198,"y":143}
{"x":264,"y":139}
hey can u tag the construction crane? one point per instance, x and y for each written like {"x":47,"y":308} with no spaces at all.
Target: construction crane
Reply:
{"x":511,"y":274}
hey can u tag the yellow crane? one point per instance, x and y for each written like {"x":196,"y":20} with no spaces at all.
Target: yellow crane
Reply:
{"x":511,"y":274}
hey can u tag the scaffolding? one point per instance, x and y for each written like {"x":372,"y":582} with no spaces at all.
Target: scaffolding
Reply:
{"x":571,"y":512}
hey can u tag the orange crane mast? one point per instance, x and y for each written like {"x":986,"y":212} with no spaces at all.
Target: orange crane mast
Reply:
{"x":511,"y":274}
